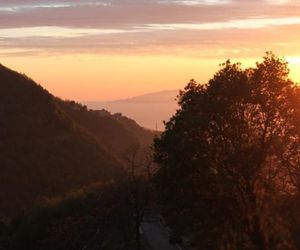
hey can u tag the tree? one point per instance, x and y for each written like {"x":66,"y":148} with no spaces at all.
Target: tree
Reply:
{"x":137,"y":178}
{"x":224,"y":153}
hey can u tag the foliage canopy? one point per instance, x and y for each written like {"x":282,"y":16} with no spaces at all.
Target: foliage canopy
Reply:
{"x":230,"y":152}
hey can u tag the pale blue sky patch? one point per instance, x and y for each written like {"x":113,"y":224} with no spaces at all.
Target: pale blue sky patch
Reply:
{"x":11,"y":7}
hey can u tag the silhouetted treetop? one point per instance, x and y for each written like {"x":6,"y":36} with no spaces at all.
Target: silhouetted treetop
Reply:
{"x":226,"y":150}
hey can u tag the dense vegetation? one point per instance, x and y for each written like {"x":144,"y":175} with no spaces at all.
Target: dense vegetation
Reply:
{"x":98,"y":217}
{"x":116,"y":132}
{"x":228,"y":173}
{"x":50,"y":147}
{"x":229,"y":159}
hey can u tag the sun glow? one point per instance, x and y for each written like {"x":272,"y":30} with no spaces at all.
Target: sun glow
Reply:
{"x":102,"y":49}
{"x":96,"y":77}
{"x":99,"y":77}
{"x":294,"y":65}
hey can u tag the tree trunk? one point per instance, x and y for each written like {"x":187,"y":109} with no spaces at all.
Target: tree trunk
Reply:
{"x":137,"y":233}
{"x":257,"y":235}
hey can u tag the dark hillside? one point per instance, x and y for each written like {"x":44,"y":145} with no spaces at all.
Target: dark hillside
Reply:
{"x":50,"y":147}
{"x":116,"y":132}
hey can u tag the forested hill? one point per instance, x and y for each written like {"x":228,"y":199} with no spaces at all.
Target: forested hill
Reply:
{"x":115,"y":131}
{"x":50,"y":147}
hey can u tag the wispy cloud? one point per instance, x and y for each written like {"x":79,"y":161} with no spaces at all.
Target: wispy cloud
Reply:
{"x":195,"y":2}
{"x":14,"y":7}
{"x":252,"y":23}
{"x":52,"y":32}
{"x":137,"y":26}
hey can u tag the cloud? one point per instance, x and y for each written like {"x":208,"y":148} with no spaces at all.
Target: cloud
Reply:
{"x":195,"y":2}
{"x":52,"y":31}
{"x":189,"y":27}
{"x":124,"y":13}
{"x":23,"y":6}
{"x":252,"y":23}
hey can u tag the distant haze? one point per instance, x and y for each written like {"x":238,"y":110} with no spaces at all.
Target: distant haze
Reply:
{"x":149,"y":110}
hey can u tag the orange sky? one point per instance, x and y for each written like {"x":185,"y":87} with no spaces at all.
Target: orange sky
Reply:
{"x":104,"y":50}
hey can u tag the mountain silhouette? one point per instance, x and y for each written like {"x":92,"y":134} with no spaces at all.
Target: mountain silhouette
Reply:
{"x":50,"y":147}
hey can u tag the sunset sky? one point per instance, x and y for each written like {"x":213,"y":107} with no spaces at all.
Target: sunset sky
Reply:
{"x":104,"y":50}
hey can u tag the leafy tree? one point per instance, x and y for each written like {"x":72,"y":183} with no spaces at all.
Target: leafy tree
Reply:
{"x":223,"y":156}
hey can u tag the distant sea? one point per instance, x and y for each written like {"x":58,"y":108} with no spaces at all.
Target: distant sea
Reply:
{"x":148,"y":110}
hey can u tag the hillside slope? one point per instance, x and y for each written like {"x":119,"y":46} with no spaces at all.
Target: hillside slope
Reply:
{"x":116,"y":132}
{"x":50,"y":147}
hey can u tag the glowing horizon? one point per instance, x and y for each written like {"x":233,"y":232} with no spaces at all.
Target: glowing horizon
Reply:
{"x":106,"y":50}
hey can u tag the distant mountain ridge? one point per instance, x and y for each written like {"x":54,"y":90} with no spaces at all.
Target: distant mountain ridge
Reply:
{"x":50,"y":147}
{"x":115,"y":131}
{"x":164,"y":96}
{"x":148,"y":110}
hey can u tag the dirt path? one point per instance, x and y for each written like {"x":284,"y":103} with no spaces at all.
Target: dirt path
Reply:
{"x":157,"y":236}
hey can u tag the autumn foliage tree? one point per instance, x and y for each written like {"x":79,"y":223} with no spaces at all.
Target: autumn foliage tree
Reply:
{"x":229,"y":153}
